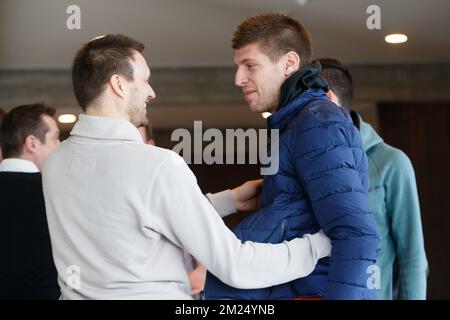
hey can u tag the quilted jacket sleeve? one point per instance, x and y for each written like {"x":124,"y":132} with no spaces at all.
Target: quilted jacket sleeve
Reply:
{"x":332,"y":167}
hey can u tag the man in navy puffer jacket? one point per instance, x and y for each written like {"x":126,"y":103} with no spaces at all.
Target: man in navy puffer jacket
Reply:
{"x":322,"y":178}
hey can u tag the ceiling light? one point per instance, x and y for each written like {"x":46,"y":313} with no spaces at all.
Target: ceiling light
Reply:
{"x":302,"y":2}
{"x":396,"y":38}
{"x":67,"y":118}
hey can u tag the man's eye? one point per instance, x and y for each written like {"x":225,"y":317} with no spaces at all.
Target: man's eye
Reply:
{"x":250,"y":66}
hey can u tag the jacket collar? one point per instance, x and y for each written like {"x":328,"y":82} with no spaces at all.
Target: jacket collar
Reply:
{"x":105,"y":128}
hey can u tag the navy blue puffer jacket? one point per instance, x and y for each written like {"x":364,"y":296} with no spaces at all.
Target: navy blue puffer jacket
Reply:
{"x":321,"y":184}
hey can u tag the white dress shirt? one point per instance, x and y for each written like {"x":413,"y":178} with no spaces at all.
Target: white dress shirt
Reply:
{"x":18,"y":165}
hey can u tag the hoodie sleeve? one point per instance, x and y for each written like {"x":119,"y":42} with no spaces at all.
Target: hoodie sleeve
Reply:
{"x":222,"y":202}
{"x":332,"y":167}
{"x":402,"y":204}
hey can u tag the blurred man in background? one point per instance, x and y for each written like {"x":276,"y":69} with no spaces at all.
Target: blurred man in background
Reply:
{"x":147,"y":134}
{"x":393,"y":199}
{"x":28,"y":134}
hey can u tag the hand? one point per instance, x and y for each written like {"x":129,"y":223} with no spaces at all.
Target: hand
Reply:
{"x":197,"y":278}
{"x":247,"y":197}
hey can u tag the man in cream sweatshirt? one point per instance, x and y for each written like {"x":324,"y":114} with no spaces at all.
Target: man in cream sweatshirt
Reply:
{"x":121,"y":212}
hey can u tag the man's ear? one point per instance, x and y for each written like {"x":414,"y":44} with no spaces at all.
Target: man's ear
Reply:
{"x":292,"y":63}
{"x":118,"y":85}
{"x":333,"y":97}
{"x":31,"y":144}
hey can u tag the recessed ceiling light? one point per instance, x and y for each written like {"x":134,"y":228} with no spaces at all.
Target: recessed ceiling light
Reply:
{"x":302,"y":2}
{"x":67,"y":118}
{"x":396,"y":38}
{"x":265,"y":115}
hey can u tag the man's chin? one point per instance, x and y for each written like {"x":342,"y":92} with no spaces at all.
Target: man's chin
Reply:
{"x":253,"y":107}
{"x":142,"y":122}
{"x":139,"y":122}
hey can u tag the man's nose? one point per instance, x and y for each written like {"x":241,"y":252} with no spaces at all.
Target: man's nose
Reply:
{"x":151,"y":94}
{"x":240,"y":78}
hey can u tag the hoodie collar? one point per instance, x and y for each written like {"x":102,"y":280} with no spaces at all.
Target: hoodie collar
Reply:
{"x":369,"y":136}
{"x":296,"y":91}
{"x":105,"y":128}
{"x":308,"y":77}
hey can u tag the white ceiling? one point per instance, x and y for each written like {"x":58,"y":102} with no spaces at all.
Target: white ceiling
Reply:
{"x":33,"y":33}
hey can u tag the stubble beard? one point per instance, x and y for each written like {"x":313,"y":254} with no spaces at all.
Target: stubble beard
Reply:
{"x":138,"y":116}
